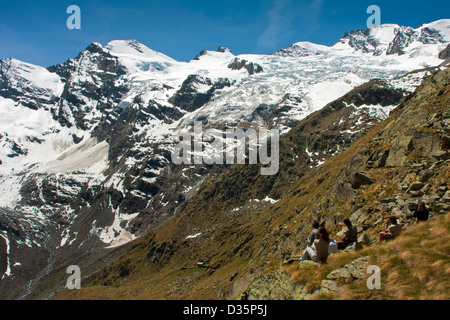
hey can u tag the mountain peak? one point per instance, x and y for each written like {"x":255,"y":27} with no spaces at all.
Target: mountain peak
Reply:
{"x":95,"y":47}
{"x":221,"y":51}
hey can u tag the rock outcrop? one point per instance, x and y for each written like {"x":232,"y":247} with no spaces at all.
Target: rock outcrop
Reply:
{"x":445,"y":54}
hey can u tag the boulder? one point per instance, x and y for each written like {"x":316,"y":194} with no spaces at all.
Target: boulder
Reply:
{"x":397,"y":212}
{"x":364,"y":239}
{"x":397,"y":153}
{"x":434,"y":198}
{"x":273,"y":286}
{"x":356,"y":246}
{"x":329,"y":286}
{"x":354,"y":270}
{"x":359,"y":179}
{"x":426,"y":175}
{"x":440,"y":154}
{"x":359,"y":217}
{"x":344,"y":192}
{"x":416,"y":186}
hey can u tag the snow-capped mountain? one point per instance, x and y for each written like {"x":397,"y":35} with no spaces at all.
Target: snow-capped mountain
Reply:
{"x":85,"y":145}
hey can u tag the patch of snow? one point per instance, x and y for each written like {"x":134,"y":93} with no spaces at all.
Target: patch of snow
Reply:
{"x":193,"y":236}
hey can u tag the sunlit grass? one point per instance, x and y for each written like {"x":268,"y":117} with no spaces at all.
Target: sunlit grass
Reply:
{"x":414,"y":266}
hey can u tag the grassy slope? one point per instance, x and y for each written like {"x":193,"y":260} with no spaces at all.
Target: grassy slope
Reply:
{"x":414,"y":266}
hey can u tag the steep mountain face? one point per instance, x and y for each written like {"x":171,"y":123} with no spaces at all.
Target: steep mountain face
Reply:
{"x":211,"y":250}
{"x":85,"y":146}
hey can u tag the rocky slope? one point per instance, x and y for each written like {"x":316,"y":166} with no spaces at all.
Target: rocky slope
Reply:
{"x":85,"y":146}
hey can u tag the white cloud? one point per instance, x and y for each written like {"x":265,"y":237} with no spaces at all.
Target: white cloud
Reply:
{"x":277,"y":24}
{"x":281,"y":18}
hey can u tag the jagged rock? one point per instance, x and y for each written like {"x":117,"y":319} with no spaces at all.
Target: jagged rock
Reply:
{"x":381,"y":162}
{"x":408,"y":178}
{"x":402,"y":40}
{"x":388,"y":200}
{"x":341,"y":273}
{"x":416,"y":194}
{"x":251,"y":67}
{"x":400,"y":201}
{"x":434,"y":197}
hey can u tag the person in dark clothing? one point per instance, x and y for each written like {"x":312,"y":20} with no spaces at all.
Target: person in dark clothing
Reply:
{"x":421,"y":213}
{"x":351,"y":235}
{"x":314,"y":233}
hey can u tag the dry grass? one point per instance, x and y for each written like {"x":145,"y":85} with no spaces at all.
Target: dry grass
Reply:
{"x":414,"y":266}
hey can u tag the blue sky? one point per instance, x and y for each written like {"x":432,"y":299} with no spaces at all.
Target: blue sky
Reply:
{"x":36,"y":31}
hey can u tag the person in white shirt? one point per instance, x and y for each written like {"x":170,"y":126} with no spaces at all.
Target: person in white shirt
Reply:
{"x":391,"y":230}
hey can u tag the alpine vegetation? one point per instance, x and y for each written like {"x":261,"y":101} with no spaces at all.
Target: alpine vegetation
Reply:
{"x":216,"y":147}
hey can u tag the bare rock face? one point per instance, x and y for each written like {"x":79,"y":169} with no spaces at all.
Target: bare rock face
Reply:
{"x":359,"y":179}
{"x":251,"y":67}
{"x":445,"y":54}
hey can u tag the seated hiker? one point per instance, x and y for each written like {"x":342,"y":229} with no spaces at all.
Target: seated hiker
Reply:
{"x":313,"y":235}
{"x":309,"y":241}
{"x":421,"y":213}
{"x":350,"y":236}
{"x":318,"y":252}
{"x":391,"y":230}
